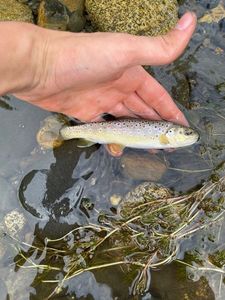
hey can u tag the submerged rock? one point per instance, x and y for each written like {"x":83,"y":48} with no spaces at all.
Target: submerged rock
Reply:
{"x":14,"y":222}
{"x":141,"y":17}
{"x":12,"y":10}
{"x":143,"y":167}
{"x":48,"y":136}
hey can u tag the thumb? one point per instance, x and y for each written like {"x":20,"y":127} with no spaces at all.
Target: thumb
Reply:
{"x":162,"y":49}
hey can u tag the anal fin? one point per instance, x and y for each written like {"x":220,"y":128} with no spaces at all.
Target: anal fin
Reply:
{"x":115,"y":150}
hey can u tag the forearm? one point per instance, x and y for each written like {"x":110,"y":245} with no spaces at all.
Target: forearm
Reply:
{"x":19,"y":56}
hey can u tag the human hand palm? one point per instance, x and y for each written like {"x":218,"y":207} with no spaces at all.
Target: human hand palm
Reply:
{"x":86,"y":75}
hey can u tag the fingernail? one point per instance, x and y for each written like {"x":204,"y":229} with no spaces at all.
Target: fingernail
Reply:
{"x":185,"y":21}
{"x":180,"y":119}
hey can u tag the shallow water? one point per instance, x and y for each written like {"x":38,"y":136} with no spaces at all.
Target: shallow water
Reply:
{"x":50,"y":188}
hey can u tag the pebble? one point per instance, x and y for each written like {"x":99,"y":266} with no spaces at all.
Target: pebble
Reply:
{"x":115,"y":199}
{"x":142,"y":166}
{"x":14,"y":222}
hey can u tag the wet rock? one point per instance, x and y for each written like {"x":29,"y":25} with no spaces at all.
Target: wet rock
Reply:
{"x":181,"y":91}
{"x":143,"y":167}
{"x":62,"y":15}
{"x":141,"y":17}
{"x":53,"y":14}
{"x":77,"y":21}
{"x":12,"y":10}
{"x":73,"y":5}
{"x":48,"y":136}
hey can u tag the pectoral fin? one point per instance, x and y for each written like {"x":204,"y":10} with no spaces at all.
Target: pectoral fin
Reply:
{"x":82,"y":143}
{"x":115,"y":150}
{"x":163,"y":139}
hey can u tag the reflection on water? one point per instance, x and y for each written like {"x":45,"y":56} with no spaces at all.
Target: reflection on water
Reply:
{"x":68,"y":187}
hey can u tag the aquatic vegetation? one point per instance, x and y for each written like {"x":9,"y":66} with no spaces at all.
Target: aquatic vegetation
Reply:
{"x":215,"y":15}
{"x":143,"y":235}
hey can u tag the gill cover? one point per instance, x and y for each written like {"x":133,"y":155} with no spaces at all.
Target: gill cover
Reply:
{"x":181,"y":136}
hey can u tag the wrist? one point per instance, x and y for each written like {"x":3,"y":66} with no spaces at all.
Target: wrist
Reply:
{"x":22,"y":48}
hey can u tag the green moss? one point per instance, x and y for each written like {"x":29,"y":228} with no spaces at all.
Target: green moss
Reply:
{"x":218,"y":258}
{"x":142,"y":17}
{"x":11,"y":10}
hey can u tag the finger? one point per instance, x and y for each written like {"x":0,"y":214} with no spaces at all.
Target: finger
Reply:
{"x":162,"y":49}
{"x":96,"y":119}
{"x":121,"y":111}
{"x":155,"y":96}
{"x":136,"y":105}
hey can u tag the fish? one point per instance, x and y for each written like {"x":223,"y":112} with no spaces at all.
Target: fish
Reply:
{"x":132,"y":133}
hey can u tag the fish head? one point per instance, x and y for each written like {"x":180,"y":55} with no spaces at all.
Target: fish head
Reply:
{"x":180,"y":136}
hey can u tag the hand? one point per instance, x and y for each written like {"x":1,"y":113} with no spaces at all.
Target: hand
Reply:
{"x":87,"y":74}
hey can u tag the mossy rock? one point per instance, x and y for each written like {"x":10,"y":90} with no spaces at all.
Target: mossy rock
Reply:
{"x":11,"y":10}
{"x":141,"y":17}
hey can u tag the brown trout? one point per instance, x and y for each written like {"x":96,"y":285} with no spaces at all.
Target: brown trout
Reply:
{"x":133,"y":133}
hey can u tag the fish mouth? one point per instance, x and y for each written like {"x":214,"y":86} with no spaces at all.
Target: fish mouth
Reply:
{"x":195,"y":138}
{"x":198,"y":138}
{"x":193,"y":134}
